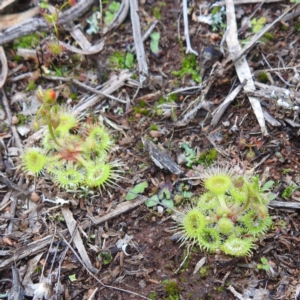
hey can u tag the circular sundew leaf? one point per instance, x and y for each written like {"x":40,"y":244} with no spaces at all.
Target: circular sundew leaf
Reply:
{"x":255,"y":224}
{"x":208,"y":201}
{"x":98,"y":175}
{"x":101,"y":136}
{"x":69,"y":177}
{"x":239,"y":189}
{"x":101,"y":173}
{"x":237,"y":246}
{"x":67,"y":120}
{"x":225,"y":225}
{"x":54,"y":165}
{"x":223,"y":212}
{"x":193,"y":224}
{"x":209,"y":240}
{"x":218,"y":184}
{"x":34,"y":160}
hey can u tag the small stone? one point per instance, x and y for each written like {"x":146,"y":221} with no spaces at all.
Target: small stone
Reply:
{"x":160,"y":209}
{"x":34,"y":197}
{"x":2,"y":114}
{"x":226,"y":123}
{"x":14,"y":120}
{"x":23,"y":130}
{"x":13,"y":151}
{"x":155,"y":133}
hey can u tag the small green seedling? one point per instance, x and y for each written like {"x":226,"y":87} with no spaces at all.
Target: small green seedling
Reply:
{"x":28,"y":41}
{"x":286,"y":171}
{"x":93,"y":22}
{"x":182,"y":193}
{"x":218,"y":14}
{"x":138,"y":189}
{"x":72,"y":277}
{"x":119,"y":60}
{"x":164,"y":197}
{"x":106,"y":258}
{"x":258,"y":24}
{"x":206,"y":157}
{"x":264,"y":264}
{"x":154,"y":44}
{"x":287,"y":193}
{"x":280,"y":157}
{"x":156,"y":10}
{"x":263,"y":77}
{"x":190,"y":154}
{"x":111,"y":12}
{"x":129,"y":60}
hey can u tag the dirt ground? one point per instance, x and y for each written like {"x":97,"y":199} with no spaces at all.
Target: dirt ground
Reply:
{"x":153,"y":266}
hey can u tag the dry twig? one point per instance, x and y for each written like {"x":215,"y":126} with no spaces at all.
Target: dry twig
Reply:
{"x":241,"y":66}
{"x":37,"y":24}
{"x":138,"y":41}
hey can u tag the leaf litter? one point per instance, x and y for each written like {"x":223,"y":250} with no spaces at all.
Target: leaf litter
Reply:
{"x":66,"y":237}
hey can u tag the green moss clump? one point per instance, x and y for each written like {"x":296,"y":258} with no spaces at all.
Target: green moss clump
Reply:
{"x":28,"y":41}
{"x":189,"y":67}
{"x":172,"y":289}
{"x":262,"y":77}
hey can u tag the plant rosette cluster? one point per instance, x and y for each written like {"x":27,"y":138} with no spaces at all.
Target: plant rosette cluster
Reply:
{"x":229,"y":217}
{"x":72,"y":153}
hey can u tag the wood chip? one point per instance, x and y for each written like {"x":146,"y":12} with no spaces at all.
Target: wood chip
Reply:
{"x":162,"y":159}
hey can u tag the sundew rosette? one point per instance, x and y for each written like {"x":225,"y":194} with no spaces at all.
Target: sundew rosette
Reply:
{"x":34,"y":160}
{"x":229,"y":217}
{"x":74,"y":154}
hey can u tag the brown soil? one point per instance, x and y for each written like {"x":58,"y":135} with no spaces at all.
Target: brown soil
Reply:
{"x":153,"y":260}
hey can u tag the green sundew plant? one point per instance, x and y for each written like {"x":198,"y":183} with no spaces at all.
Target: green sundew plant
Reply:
{"x":72,"y":153}
{"x":230,"y":216}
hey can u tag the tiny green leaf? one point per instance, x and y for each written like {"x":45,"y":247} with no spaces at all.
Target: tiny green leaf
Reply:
{"x":139,"y":188}
{"x":153,"y":201}
{"x":44,"y":5}
{"x":129,"y":60}
{"x":169,"y":203}
{"x":271,"y":196}
{"x":155,"y":36}
{"x":258,"y":24}
{"x":106,"y":258}
{"x":267,"y":185}
{"x":72,"y":277}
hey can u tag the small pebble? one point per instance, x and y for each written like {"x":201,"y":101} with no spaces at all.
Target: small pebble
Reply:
{"x":34,"y":197}
{"x":14,"y":120}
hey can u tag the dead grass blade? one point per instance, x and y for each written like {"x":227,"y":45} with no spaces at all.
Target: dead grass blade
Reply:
{"x":71,"y":224}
